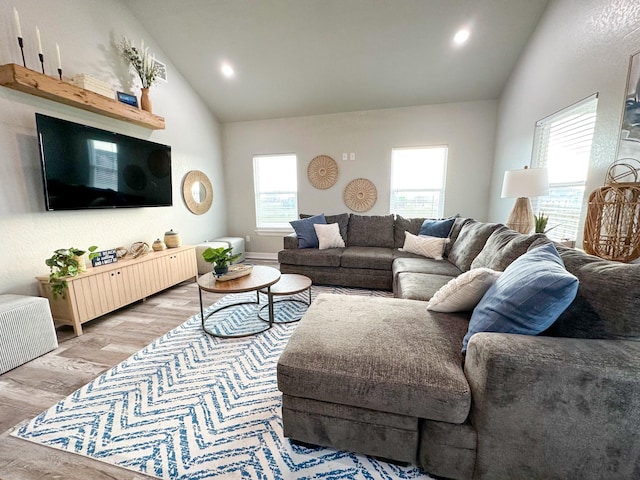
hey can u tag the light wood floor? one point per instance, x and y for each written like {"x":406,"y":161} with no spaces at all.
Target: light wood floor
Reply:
{"x":30,"y":389}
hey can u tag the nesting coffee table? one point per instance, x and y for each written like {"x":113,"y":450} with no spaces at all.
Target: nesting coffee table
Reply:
{"x":288,"y":285}
{"x":260,"y":279}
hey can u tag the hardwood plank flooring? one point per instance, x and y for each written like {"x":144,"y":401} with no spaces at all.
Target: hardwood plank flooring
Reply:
{"x":28,"y":390}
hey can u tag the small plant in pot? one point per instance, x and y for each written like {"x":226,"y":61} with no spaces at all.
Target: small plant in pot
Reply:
{"x":66,"y":262}
{"x":220,"y":258}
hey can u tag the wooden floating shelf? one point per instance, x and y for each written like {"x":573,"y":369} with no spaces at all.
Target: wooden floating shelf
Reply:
{"x":19,"y":78}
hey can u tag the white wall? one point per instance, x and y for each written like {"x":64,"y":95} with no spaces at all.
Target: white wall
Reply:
{"x":467,"y":128}
{"x":579,"y":48}
{"x":87,"y":31}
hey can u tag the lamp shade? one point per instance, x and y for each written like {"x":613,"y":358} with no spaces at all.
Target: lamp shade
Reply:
{"x":528,"y":182}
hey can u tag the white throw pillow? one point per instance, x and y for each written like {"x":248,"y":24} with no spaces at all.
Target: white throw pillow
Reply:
{"x":430,"y":247}
{"x":464,"y":292}
{"x":328,"y":235}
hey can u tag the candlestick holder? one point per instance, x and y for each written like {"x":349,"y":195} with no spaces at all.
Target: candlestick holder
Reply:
{"x":60,"y":74}
{"x":21,"y":45}
{"x":41,"y":57}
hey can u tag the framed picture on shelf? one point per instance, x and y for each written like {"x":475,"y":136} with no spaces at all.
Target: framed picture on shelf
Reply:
{"x":128,"y":99}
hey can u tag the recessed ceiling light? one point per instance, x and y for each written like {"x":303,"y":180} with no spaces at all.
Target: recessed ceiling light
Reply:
{"x":461,"y":36}
{"x":227,"y":70}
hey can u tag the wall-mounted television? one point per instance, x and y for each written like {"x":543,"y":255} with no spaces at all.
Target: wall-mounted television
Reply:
{"x":86,"y":167}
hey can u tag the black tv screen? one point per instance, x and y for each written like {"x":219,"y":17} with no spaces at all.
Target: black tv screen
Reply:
{"x":86,"y":167}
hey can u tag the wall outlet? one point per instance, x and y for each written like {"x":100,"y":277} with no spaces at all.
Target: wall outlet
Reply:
{"x":247,"y":239}
{"x":352,"y":156}
{"x":344,"y":157}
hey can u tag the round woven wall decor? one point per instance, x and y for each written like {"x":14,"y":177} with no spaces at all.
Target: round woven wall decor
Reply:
{"x":360,"y":195}
{"x":322,"y":172}
{"x":197,"y":192}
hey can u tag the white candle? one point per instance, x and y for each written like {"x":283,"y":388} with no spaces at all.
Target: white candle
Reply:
{"x":39,"y":40}
{"x":58,"y":53}
{"x":16,"y":19}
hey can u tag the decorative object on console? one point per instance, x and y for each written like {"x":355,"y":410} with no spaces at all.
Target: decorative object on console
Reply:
{"x":197,"y":192}
{"x":105,"y":257}
{"x":220,"y":258}
{"x":360,"y":195}
{"x":158,"y":245}
{"x":612,"y":226}
{"x":139,"y":249}
{"x":522,"y":184}
{"x":143,"y":63}
{"x":66,"y":262}
{"x":172,"y":239}
{"x":322,"y":172}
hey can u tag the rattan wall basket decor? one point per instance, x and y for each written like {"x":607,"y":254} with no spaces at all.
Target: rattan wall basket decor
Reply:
{"x":360,"y":195}
{"x":612,"y":227}
{"x":322,"y":172}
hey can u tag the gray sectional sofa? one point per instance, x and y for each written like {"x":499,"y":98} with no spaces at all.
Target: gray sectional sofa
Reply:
{"x":386,"y":377}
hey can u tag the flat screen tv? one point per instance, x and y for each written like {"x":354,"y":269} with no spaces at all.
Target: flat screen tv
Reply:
{"x":86,"y":167}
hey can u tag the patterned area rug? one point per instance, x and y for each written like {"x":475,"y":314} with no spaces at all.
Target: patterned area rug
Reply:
{"x":190,"y":406}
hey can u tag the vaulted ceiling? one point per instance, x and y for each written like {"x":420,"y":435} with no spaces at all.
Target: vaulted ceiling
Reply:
{"x":310,"y":57}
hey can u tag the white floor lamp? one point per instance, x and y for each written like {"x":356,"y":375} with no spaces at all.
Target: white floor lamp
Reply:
{"x":522,"y":184}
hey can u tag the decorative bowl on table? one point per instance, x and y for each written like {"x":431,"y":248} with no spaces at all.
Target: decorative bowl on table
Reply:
{"x":235,"y":271}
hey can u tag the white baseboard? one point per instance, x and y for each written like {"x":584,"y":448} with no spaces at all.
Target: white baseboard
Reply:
{"x":273,"y":257}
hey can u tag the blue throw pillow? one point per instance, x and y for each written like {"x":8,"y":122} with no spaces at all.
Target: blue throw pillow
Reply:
{"x":527,"y":298}
{"x":305,"y":232}
{"x":437,"y":228}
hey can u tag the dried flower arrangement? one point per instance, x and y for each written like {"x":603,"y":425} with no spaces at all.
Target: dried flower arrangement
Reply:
{"x":140,"y":60}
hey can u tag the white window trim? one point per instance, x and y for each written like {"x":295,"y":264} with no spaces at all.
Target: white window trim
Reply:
{"x":539,"y":154}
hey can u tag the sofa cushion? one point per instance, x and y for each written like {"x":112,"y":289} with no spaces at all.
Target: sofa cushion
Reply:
{"x":370,"y":231}
{"x":423,"y":265}
{"x":464,"y":292}
{"x":470,"y":242}
{"x":455,"y":231}
{"x":375,"y":258}
{"x":503,"y":247}
{"x":429,"y":247}
{"x":305,"y":232}
{"x":392,"y":355}
{"x":311,"y":257}
{"x":341,"y":219}
{"x":437,"y":228}
{"x":608,"y":299}
{"x":401,"y":225}
{"x":418,"y":286}
{"x":527,"y":298}
{"x":328,"y":236}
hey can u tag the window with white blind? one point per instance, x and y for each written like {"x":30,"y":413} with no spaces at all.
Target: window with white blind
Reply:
{"x":417,"y":181}
{"x":275,"y":182}
{"x":562,"y":143}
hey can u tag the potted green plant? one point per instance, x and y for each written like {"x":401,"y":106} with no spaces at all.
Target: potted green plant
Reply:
{"x":66,"y":262}
{"x":540,"y":222}
{"x":220,"y":258}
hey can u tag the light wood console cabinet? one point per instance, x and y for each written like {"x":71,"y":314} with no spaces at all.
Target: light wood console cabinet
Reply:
{"x":101,"y":290}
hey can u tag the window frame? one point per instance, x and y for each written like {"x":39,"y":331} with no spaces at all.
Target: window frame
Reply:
{"x":266,"y":228}
{"x":580,"y":120}
{"x":428,"y":190}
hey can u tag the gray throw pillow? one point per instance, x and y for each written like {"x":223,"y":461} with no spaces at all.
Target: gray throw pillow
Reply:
{"x":502,"y":248}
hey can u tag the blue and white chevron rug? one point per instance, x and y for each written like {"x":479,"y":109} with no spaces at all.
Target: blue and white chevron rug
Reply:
{"x":190,"y":406}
